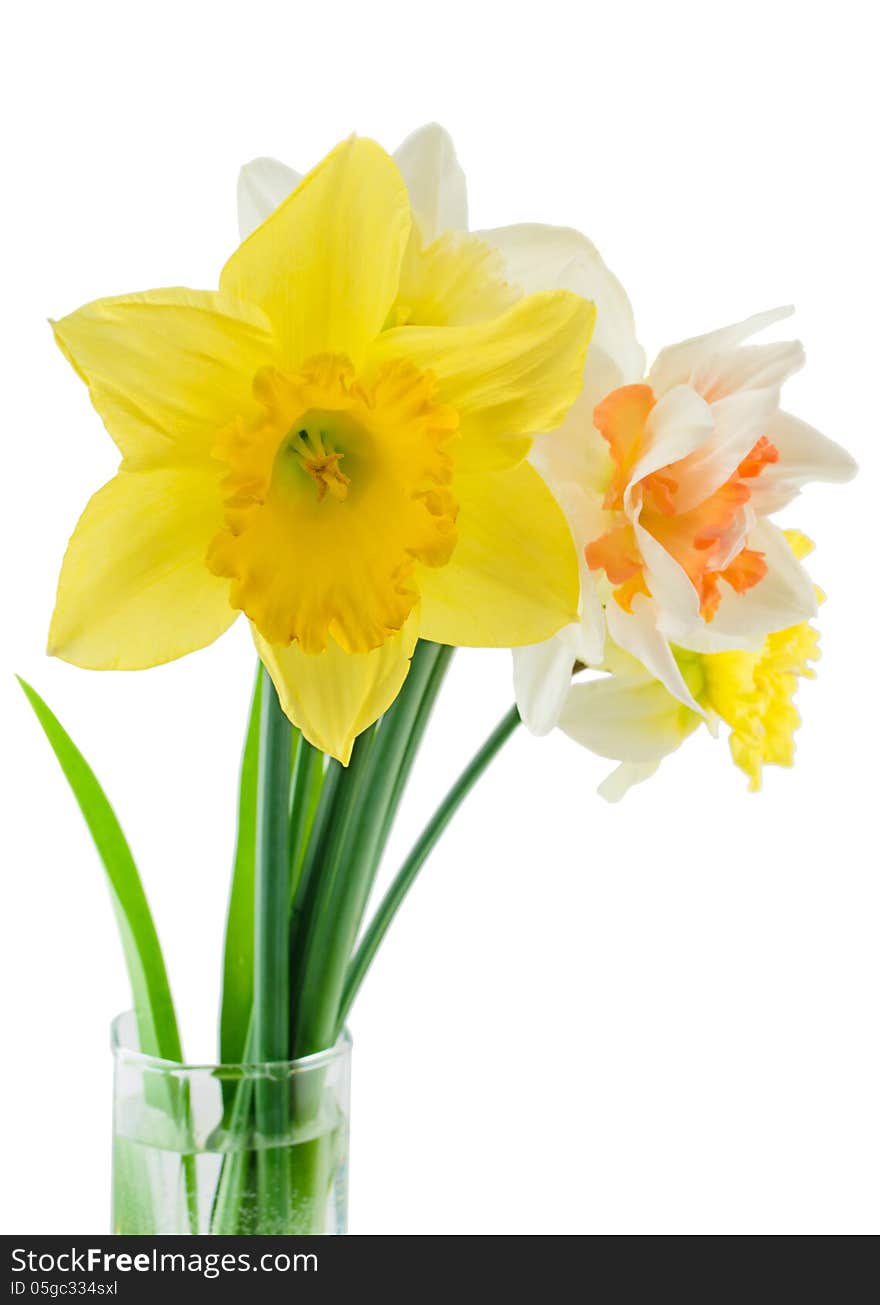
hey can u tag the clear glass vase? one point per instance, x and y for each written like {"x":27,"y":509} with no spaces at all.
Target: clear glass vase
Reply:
{"x":229,"y":1149}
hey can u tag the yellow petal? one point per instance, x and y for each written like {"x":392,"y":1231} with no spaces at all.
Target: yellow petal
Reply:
{"x":513,"y":578}
{"x":334,"y":695}
{"x":325,"y":265}
{"x":455,"y":281}
{"x":512,"y":376}
{"x":167,"y":368}
{"x":134,"y":589}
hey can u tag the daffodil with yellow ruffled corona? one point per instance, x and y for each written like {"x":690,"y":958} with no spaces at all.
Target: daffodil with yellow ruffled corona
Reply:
{"x":334,"y":444}
{"x":630,"y":716}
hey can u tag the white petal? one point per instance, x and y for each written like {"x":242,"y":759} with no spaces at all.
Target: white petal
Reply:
{"x":582,"y":507}
{"x":679,"y":424}
{"x":637,"y":633}
{"x":575,"y":452}
{"x":542,"y":678}
{"x":621,"y":780}
{"x":602,"y":375}
{"x":435,"y":181}
{"x":262,"y":185}
{"x":587,"y":520}
{"x":590,"y":647}
{"x":786,"y":596}
{"x":750,"y":367}
{"x":739,"y":422}
{"x":626,"y":719}
{"x":675,"y":364}
{"x":804,"y":455}
{"x":559,"y":258}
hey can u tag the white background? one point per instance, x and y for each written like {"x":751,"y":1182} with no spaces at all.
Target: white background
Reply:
{"x":659,"y":1017}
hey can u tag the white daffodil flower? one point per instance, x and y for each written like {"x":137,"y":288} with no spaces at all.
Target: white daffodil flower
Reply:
{"x":630,"y":716}
{"x":679,"y":474}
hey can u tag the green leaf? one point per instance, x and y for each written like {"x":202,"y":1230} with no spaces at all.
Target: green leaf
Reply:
{"x":271,"y":1020}
{"x":238,"y":959}
{"x":154,"y":1008}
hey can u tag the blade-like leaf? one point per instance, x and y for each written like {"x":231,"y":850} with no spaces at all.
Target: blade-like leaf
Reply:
{"x":238,"y":958}
{"x":154,"y":1008}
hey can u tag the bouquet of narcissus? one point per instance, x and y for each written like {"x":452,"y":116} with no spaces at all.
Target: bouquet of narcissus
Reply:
{"x":384,"y":437}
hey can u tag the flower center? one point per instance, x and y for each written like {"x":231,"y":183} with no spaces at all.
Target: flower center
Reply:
{"x":311,"y":447}
{"x":316,"y":552}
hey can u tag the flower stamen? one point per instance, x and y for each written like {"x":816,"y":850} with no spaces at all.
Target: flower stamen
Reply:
{"x":321,"y":461}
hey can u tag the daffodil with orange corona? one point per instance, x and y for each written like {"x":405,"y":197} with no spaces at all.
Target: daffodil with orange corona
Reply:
{"x":694,"y":603}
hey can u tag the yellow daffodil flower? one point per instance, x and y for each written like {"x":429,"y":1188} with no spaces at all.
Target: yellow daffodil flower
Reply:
{"x":670,"y":483}
{"x":291,"y":449}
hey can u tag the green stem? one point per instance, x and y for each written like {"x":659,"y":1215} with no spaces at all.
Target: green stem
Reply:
{"x":325,"y":863}
{"x":369,"y":793}
{"x":442,"y":658}
{"x":305,"y":792}
{"x":313,"y":858}
{"x":226,"y":1211}
{"x":271,"y":1018}
{"x":405,"y":877}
